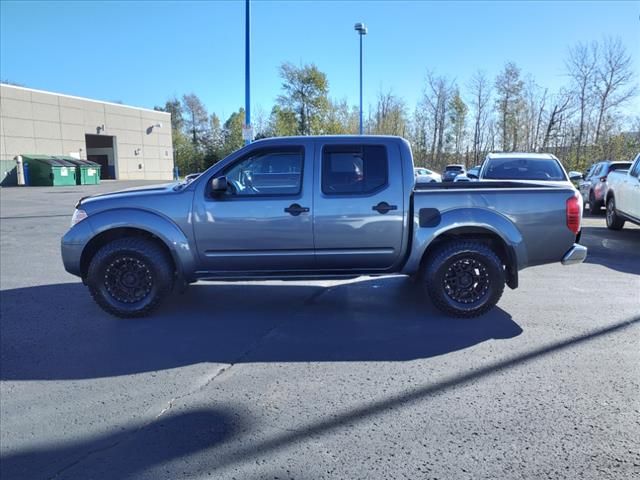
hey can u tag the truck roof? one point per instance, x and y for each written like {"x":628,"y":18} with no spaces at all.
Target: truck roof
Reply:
{"x":326,"y":138}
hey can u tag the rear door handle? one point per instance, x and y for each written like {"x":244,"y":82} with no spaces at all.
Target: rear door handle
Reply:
{"x":295,"y":209}
{"x":384,"y":207}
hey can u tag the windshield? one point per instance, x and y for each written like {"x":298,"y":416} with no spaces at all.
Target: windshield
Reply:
{"x":452,"y":168}
{"x":524,"y":169}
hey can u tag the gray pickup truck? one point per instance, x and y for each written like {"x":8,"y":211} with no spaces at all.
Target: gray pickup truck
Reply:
{"x":320,"y":208}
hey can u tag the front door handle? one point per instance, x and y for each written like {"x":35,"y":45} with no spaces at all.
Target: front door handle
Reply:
{"x":384,"y":207}
{"x":295,"y":209}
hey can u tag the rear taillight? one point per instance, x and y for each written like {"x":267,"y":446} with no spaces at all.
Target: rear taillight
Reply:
{"x":574,"y":213}
{"x":603,"y":179}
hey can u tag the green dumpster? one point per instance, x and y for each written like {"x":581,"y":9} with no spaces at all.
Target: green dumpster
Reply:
{"x":87,"y":172}
{"x":47,"y":171}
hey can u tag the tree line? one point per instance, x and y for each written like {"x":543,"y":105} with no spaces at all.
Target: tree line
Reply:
{"x":452,"y":122}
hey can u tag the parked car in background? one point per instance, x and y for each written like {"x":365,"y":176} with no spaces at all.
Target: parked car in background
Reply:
{"x":594,"y":187}
{"x":424,"y":175}
{"x":587,"y":172}
{"x":451,"y":172}
{"x":623,"y":196}
{"x":539,"y":167}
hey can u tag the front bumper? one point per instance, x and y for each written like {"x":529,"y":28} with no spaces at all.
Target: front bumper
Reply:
{"x":576,"y":254}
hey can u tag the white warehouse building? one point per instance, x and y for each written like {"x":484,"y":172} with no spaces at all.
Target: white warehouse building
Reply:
{"x":130,"y":143}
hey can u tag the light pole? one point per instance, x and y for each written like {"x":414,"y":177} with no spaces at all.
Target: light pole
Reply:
{"x":362,"y":30}
{"x":247,"y":73}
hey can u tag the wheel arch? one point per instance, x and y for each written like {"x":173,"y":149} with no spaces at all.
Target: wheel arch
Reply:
{"x":494,"y":241}
{"x":609,"y":195}
{"x":110,"y":225}
{"x":483,"y":225}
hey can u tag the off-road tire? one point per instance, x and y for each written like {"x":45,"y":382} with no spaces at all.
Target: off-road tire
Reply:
{"x":614,"y":222}
{"x":148,"y":259}
{"x":465,"y":254}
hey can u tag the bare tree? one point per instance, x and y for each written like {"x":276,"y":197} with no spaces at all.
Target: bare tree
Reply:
{"x":420,"y":134}
{"x":480,"y":92}
{"x":532,"y":112}
{"x":581,"y":67}
{"x":434,"y":104}
{"x":613,"y":80}
{"x":560,"y":104}
{"x":390,"y":115}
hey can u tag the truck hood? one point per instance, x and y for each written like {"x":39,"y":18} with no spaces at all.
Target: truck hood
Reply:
{"x":130,"y":193}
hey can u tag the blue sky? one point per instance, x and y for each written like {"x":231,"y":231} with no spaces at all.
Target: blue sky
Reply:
{"x":143,"y":52}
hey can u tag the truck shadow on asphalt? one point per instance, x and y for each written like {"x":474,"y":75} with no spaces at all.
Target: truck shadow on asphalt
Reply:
{"x":224,"y":435}
{"x":618,"y":250}
{"x":55,"y":332}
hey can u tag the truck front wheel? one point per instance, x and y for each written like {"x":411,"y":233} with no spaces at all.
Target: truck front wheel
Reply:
{"x":130,"y":276}
{"x":464,"y":278}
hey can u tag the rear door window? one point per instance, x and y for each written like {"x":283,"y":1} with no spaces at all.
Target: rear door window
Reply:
{"x":354,"y":169}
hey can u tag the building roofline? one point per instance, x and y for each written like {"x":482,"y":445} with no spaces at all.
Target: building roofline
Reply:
{"x":81,"y":98}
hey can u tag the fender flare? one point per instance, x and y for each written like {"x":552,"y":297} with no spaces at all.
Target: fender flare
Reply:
{"x":151,"y":222}
{"x":476,"y":218}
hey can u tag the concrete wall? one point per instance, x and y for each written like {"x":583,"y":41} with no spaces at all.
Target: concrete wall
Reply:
{"x":33,"y":121}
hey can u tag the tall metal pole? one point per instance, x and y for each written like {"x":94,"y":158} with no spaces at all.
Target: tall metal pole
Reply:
{"x":360,"y":84}
{"x":362,"y":30}
{"x":247,"y":69}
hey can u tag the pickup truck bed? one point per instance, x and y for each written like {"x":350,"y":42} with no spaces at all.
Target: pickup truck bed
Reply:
{"x":320,"y":207}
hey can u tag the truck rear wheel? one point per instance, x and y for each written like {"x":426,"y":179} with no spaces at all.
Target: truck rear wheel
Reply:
{"x":464,"y":278}
{"x":129,"y":277}
{"x":614,"y":222}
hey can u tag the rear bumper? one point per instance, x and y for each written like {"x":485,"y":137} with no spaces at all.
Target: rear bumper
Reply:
{"x":576,"y":254}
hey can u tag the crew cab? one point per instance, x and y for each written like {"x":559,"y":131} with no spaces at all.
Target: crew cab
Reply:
{"x":320,"y":208}
{"x":623,"y":196}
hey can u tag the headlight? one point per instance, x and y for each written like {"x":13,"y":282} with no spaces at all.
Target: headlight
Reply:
{"x":78,"y":216}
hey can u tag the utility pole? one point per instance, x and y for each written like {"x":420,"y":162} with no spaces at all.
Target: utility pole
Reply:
{"x":362,"y":31}
{"x":247,"y":75}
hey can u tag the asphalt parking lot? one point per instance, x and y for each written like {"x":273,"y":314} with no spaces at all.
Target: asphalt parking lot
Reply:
{"x":311,"y":380}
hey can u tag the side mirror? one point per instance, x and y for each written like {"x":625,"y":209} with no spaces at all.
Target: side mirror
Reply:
{"x":575,"y":176}
{"x":472,"y":175}
{"x":219,"y":185}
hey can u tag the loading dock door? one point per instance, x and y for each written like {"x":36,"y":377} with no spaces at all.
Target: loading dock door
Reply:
{"x":106,"y":172}
{"x":101,"y":149}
